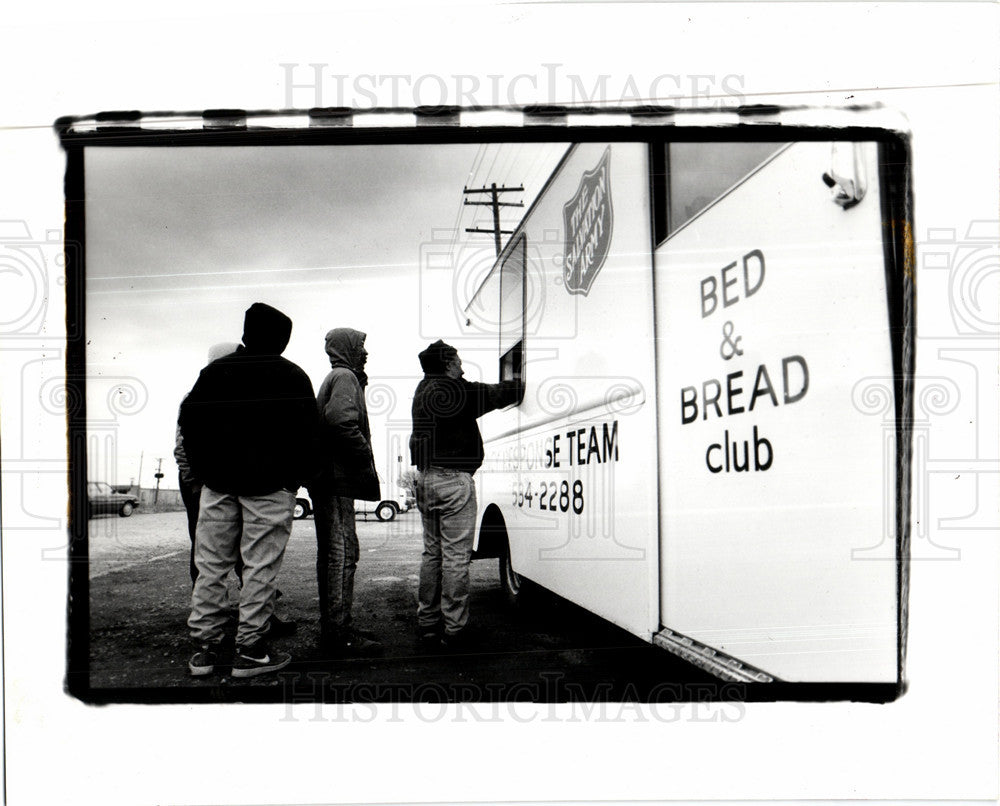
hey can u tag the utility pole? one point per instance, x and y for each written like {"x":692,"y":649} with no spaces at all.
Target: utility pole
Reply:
{"x":159,"y":475}
{"x":141,"y":455}
{"x":496,"y":204}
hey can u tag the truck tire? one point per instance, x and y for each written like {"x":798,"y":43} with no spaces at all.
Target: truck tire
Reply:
{"x":512,"y":584}
{"x":301,"y":509}
{"x":385,"y":511}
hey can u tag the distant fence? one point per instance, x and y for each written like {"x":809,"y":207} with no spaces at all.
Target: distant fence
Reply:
{"x":165,"y":501}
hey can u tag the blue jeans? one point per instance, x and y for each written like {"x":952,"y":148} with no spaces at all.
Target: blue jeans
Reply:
{"x":255,"y":528}
{"x":447,"y":503}
{"x":337,"y":553}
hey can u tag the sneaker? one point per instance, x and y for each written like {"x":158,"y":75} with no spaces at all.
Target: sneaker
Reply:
{"x":203,"y":661}
{"x":278,"y":628}
{"x":251,"y":661}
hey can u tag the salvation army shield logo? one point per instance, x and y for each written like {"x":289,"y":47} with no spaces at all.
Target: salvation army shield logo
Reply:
{"x":588,"y":218}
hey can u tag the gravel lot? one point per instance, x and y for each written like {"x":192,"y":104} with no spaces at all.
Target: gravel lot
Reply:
{"x":548,"y":651}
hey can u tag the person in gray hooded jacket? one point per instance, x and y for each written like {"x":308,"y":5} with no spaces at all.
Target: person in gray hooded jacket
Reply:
{"x":346,"y":472}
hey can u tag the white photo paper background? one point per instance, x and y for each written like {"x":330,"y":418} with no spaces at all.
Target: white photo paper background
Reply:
{"x":935,"y":64}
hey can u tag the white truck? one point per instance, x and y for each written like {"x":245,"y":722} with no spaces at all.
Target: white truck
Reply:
{"x":716,"y":341}
{"x":385,"y":510}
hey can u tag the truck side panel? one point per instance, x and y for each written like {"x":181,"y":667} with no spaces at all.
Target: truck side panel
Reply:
{"x":777,"y":461}
{"x":572,"y":469}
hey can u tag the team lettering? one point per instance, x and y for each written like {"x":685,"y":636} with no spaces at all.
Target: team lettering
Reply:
{"x":584,"y":447}
{"x":595,"y":444}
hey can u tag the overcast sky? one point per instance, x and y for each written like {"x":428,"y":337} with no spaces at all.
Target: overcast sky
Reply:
{"x":180,"y":241}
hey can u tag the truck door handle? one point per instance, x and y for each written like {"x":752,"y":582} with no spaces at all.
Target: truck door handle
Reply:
{"x":847,"y":177}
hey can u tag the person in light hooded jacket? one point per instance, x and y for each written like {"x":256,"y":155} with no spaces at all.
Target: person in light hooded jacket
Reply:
{"x":346,"y":472}
{"x":190,"y":487}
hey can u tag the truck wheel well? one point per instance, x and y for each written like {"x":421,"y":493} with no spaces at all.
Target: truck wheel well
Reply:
{"x":492,"y":534}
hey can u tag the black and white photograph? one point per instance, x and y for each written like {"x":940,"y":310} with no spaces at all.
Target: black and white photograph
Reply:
{"x":603,"y":394}
{"x":560,"y":395}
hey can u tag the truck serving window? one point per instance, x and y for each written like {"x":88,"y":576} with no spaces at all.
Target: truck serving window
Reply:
{"x":512,"y":292}
{"x":696,"y":174}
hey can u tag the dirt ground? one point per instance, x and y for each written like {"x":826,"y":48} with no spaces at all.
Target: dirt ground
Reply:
{"x":546,"y":651}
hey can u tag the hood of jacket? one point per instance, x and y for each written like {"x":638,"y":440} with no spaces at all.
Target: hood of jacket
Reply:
{"x":222,"y":349}
{"x":343,"y":346}
{"x":266,"y":330}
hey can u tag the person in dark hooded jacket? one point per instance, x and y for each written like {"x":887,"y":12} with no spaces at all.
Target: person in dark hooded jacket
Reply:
{"x":447,"y":449}
{"x":249,"y":427}
{"x":346,"y":472}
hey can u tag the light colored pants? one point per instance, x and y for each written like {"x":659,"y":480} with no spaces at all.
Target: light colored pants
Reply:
{"x":337,"y":553}
{"x":447,"y":502}
{"x":255,"y":528}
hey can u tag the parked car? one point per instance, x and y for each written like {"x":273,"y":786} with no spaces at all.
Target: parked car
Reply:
{"x":384,"y":510}
{"x":103,"y":500}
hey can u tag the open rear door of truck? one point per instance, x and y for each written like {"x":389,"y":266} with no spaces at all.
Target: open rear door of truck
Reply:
{"x":783,"y":368}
